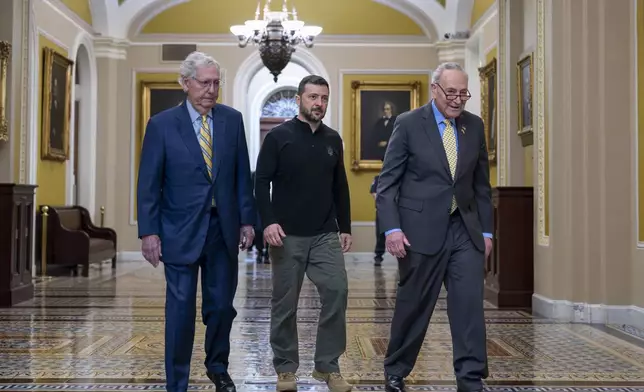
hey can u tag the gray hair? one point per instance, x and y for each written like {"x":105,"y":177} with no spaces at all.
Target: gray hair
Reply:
{"x":438,"y":72}
{"x":195,"y":60}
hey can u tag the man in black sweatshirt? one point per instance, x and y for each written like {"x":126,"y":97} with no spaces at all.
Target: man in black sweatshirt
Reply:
{"x":307,"y":224}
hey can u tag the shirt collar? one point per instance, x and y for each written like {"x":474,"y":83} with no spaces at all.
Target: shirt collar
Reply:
{"x":438,"y":115}
{"x":306,"y":125}
{"x":194,"y":114}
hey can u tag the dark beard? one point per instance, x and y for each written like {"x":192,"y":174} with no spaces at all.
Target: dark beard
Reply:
{"x":308,"y":115}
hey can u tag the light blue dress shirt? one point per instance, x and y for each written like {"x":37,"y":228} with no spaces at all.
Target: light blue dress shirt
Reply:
{"x":440,"y":122}
{"x":196,"y":121}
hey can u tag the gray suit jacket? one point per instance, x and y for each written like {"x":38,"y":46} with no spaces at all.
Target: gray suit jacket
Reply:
{"x":415,"y":187}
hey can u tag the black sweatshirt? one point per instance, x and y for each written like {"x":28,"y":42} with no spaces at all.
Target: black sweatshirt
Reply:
{"x":310,"y":191}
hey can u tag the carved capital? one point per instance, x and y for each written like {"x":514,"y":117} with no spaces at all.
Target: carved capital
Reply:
{"x":451,"y":50}
{"x":112,"y":48}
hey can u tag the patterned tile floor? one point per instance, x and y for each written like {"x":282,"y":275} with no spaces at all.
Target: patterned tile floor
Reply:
{"x":105,"y":333}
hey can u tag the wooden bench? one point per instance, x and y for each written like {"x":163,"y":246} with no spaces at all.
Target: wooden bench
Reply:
{"x":72,"y":238}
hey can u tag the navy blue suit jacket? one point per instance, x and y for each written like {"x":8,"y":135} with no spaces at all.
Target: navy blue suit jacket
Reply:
{"x":174,"y":194}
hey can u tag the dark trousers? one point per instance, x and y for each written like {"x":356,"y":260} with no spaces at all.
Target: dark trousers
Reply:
{"x":380,"y":240}
{"x":218,"y":285}
{"x":320,"y":258}
{"x":461,"y":267}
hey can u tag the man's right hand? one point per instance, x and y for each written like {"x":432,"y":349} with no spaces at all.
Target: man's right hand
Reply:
{"x":151,"y":249}
{"x":273,"y":234}
{"x":395,"y":243}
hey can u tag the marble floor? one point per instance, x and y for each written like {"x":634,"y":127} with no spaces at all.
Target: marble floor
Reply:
{"x":105,"y":333}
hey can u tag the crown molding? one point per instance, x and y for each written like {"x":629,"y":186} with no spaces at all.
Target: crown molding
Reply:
{"x":71,"y":16}
{"x":398,"y":41}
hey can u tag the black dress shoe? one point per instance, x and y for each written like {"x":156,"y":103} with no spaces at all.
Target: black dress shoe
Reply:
{"x":395,"y":384}
{"x":223,"y":382}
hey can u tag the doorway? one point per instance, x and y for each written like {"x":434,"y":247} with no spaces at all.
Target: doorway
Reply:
{"x":278,"y":108}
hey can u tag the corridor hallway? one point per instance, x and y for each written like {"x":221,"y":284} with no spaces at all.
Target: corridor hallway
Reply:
{"x":106,"y":333}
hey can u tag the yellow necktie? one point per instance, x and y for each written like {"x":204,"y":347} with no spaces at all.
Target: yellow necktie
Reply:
{"x":449,"y":143}
{"x":205,"y":141}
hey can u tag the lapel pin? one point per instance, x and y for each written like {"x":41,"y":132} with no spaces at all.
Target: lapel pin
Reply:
{"x":463,"y":129}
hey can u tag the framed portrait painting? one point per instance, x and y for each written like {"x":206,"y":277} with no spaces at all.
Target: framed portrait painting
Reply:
{"x":488,"y":76}
{"x":5,"y":55}
{"x":375,"y":106}
{"x":157,"y":97}
{"x":56,"y":105}
{"x":524,"y":90}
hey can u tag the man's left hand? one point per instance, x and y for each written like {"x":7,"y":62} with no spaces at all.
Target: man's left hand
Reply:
{"x":488,"y":247}
{"x":345,"y":241}
{"x":246,"y":237}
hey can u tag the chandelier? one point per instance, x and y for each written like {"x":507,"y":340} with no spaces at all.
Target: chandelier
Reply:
{"x":277,"y":33}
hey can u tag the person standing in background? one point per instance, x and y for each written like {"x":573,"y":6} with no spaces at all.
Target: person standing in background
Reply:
{"x":379,"y":250}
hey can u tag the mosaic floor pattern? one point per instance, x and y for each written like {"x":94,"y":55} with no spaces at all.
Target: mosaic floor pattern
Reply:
{"x":105,"y":333}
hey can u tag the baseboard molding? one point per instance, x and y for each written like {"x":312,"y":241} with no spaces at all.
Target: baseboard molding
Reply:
{"x":580,"y":312}
{"x":130,"y":256}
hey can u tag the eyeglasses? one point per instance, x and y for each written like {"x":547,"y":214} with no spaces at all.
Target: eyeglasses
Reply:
{"x":452,"y":96}
{"x":206,"y":84}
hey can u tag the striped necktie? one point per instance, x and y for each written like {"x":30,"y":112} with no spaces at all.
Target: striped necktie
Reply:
{"x":449,"y":143}
{"x":205,"y":141}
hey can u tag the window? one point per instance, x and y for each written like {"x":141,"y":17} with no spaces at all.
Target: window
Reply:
{"x":281,"y":104}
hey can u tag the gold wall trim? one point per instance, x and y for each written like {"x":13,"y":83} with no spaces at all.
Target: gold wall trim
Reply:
{"x":5,"y":55}
{"x":25,"y":96}
{"x":501,"y":151}
{"x":542,"y":152}
{"x":486,"y":73}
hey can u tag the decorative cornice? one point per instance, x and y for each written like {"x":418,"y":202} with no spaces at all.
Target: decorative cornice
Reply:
{"x":112,"y":48}
{"x":451,"y":50}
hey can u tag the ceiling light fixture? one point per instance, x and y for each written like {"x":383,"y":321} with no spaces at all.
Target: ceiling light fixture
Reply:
{"x":277,"y":33}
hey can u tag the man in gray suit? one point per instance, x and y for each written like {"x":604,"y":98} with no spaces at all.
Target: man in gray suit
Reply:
{"x":434,"y":205}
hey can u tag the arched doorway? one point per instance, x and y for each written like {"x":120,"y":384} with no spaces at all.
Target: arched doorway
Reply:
{"x":279,"y":107}
{"x":259,"y":88}
{"x":82,"y":162}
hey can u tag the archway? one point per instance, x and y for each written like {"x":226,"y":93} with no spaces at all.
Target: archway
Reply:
{"x":253,"y":85}
{"x":81,"y":166}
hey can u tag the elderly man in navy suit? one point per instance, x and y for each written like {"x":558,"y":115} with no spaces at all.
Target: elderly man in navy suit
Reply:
{"x":196,"y":210}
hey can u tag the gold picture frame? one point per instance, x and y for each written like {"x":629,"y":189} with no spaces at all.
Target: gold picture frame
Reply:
{"x":56,"y":109}
{"x":149,"y":106}
{"x":525,"y":83}
{"x":5,"y":55}
{"x":488,"y":75}
{"x":368,"y":101}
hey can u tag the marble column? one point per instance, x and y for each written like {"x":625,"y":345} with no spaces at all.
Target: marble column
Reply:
{"x":585,"y":269}
{"x":113,"y":82}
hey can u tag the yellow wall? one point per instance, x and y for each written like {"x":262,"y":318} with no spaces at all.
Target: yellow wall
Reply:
{"x":362,"y":204}
{"x":80,"y":8}
{"x":479,"y":8}
{"x":488,"y":57}
{"x":361,"y":17}
{"x":640,"y":118}
{"x":51,"y":176}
